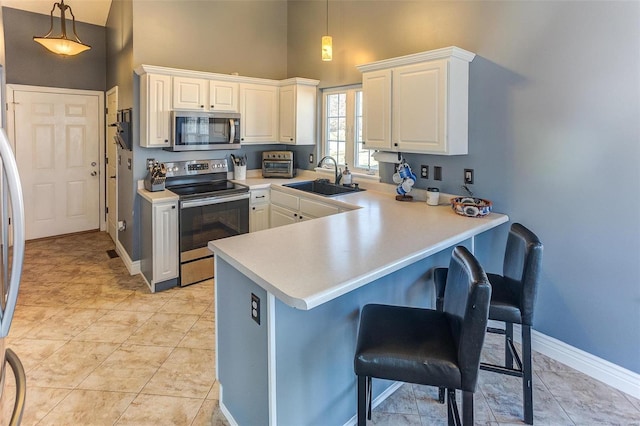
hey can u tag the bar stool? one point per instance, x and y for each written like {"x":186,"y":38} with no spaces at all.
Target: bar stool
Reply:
{"x":512,"y":302}
{"x":426,"y":346}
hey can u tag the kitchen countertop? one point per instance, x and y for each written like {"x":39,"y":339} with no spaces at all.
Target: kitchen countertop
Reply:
{"x":157,"y":196}
{"x":312,"y":262}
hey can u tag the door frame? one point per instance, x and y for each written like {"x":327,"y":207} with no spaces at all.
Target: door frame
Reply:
{"x":113,"y":90}
{"x":11,"y":131}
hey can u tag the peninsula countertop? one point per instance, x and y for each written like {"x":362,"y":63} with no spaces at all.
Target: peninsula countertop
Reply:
{"x":312,"y":262}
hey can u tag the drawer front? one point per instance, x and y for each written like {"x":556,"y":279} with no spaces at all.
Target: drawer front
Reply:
{"x":259,"y":196}
{"x":317,"y":209}
{"x":284,"y":200}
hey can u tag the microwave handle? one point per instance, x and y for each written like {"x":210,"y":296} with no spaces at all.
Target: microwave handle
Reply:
{"x":232,"y":132}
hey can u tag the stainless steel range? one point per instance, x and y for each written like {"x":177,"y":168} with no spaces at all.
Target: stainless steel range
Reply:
{"x":211,"y":207}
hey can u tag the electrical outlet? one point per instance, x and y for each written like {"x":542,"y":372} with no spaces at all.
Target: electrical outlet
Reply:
{"x":310,"y":158}
{"x":468,"y":176}
{"x":437,"y":172}
{"x":255,"y":308}
{"x":424,"y":172}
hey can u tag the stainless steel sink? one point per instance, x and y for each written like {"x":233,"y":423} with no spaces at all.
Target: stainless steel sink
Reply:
{"x":323,"y":187}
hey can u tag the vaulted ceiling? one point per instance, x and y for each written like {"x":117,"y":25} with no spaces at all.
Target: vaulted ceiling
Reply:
{"x":89,"y":11}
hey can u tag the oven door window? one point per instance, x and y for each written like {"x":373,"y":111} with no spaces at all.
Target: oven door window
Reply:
{"x":201,"y":224}
{"x":281,"y":167}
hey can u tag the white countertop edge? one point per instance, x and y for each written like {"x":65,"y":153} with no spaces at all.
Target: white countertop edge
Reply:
{"x":158,"y":196}
{"x":336,"y":291}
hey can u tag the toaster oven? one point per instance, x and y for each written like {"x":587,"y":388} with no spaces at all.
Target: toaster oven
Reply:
{"x":278,"y":164}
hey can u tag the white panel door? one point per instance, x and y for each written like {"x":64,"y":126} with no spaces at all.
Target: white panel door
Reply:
{"x":57,"y":140}
{"x":112,"y":169}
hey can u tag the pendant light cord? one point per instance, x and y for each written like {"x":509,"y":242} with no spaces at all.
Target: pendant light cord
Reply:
{"x":327,"y":33}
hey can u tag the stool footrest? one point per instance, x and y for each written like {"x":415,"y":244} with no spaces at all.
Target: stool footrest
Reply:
{"x":500,"y":369}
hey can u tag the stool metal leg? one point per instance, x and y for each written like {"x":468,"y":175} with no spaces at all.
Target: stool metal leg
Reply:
{"x":467,"y":408}
{"x":508,"y":339}
{"x":362,"y":400}
{"x":527,"y":375}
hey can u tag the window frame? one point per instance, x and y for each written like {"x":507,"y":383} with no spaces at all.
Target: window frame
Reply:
{"x":350,"y":136}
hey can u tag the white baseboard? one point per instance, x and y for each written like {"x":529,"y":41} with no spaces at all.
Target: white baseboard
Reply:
{"x":600,"y":369}
{"x":132,"y":267}
{"x":225,"y":411}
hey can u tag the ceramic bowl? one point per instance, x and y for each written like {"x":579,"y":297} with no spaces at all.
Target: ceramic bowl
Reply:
{"x":471,"y":206}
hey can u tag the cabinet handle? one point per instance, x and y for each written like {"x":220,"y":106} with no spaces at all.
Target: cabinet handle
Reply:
{"x":166,"y":141}
{"x":211,"y":106}
{"x":173,"y":207}
{"x":253,"y":208}
{"x":201,"y":106}
{"x":260,"y":196}
{"x":295,"y":215}
{"x":395,"y":144}
{"x":291,"y":139}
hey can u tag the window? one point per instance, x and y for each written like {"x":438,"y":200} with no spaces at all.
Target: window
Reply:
{"x":342,"y":122}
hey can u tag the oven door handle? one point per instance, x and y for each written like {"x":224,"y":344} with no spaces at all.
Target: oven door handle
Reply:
{"x":213,"y":200}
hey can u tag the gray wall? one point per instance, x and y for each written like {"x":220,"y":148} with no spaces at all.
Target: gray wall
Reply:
{"x":553,"y":136}
{"x":29,"y":63}
{"x":247,"y":37}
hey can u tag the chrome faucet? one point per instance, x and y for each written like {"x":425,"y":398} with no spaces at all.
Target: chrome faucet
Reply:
{"x":335,"y":164}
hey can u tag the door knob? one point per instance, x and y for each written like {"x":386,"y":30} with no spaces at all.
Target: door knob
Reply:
{"x":94,"y":173}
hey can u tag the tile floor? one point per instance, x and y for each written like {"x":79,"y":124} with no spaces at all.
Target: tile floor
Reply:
{"x":99,"y":349}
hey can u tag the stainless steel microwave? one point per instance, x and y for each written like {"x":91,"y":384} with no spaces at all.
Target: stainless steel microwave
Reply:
{"x":198,"y":131}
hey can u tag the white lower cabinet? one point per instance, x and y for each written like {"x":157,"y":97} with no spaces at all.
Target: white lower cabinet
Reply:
{"x":281,"y":216}
{"x":159,"y":244}
{"x":287,"y":209}
{"x":259,"y":210}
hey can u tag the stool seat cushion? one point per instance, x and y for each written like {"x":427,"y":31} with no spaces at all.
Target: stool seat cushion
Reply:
{"x":407,"y":344}
{"x":505,"y":300}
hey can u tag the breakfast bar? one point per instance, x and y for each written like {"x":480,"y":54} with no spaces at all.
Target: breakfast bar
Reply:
{"x":288,"y":301}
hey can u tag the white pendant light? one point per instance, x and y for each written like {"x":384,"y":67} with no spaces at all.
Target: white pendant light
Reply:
{"x":61,"y":44}
{"x":327,"y":42}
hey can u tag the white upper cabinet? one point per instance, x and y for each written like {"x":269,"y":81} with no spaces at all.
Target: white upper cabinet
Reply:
{"x":223,"y":96}
{"x":376,"y":109}
{"x":259,"y":113}
{"x":298,"y":112}
{"x":418,"y":103}
{"x":190,"y":93}
{"x":267,"y":115}
{"x":205,"y":95}
{"x":155,"y":110}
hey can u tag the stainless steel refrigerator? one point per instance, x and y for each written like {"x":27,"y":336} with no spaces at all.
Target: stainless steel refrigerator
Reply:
{"x":11,"y":258}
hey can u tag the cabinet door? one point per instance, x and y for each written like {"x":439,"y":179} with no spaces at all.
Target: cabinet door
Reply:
{"x":223,"y":96}
{"x":376,"y":109}
{"x":190,"y":93}
{"x":419,"y":107}
{"x":287,"y":114}
{"x":165,"y":241}
{"x":155,"y":108}
{"x":280,"y":216}
{"x":259,"y":109}
{"x":259,"y":217}
{"x":312,"y":208}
